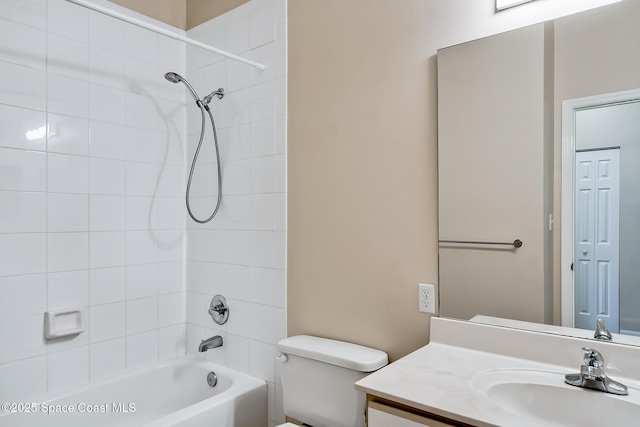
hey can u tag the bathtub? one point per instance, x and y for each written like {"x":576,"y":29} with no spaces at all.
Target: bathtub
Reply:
{"x":174,"y":393}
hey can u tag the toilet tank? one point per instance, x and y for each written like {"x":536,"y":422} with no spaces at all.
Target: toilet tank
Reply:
{"x":318,"y":377}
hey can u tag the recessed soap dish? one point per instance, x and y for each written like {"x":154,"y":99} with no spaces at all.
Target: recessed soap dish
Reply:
{"x":62,"y":323}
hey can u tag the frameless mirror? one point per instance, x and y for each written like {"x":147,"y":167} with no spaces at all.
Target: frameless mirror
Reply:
{"x":510,"y":167}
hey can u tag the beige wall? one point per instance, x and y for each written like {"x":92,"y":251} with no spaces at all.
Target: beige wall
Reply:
{"x":183,"y":14}
{"x":173,"y":12}
{"x":199,"y":11}
{"x":362,"y":215}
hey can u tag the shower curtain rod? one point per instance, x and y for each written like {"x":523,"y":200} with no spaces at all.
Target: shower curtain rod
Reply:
{"x":162,"y":31}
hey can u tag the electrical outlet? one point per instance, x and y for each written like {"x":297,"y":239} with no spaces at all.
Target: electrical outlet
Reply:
{"x":426,"y":298}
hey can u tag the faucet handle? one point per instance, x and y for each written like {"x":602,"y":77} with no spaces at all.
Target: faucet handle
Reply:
{"x":593,"y":357}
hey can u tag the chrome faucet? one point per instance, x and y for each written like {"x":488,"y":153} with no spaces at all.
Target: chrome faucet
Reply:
{"x":210,"y":343}
{"x":592,"y":375}
{"x":602,"y":333}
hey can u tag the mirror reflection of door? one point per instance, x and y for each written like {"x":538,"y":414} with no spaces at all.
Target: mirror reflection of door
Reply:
{"x":597,"y":230}
{"x":607,"y":217}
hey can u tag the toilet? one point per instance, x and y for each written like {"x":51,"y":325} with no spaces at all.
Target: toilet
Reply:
{"x":318,"y":377}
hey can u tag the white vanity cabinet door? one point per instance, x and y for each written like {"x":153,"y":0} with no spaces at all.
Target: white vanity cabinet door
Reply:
{"x":380,"y":415}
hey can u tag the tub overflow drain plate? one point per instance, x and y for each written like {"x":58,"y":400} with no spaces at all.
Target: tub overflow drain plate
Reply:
{"x":212,"y":379}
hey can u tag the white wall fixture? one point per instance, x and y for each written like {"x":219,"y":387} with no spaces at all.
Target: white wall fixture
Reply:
{"x":505,"y":4}
{"x":63,"y":323}
{"x":427,"y":298}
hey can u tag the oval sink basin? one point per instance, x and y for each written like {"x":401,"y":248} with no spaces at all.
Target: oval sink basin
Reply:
{"x":543,"y":396}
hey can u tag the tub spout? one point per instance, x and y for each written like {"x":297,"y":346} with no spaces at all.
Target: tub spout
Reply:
{"x":210,"y":343}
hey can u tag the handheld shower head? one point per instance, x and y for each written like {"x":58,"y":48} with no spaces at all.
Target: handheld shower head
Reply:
{"x":203,"y":106}
{"x":176,"y":78}
{"x":173,"y":77}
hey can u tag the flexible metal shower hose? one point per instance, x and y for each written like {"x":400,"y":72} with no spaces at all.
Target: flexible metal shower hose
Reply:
{"x":193,"y":166}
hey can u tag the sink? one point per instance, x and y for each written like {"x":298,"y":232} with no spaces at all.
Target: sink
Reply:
{"x":543,"y":396}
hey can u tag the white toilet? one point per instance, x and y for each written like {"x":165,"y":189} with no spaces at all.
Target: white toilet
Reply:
{"x":318,"y":377}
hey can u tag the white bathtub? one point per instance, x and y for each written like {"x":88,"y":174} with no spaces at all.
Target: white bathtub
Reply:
{"x":175,"y":393}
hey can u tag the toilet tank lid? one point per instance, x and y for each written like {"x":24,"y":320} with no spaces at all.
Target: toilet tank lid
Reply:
{"x":339,"y":353}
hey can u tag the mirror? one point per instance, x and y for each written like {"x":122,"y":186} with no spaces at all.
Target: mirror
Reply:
{"x":502,"y":152}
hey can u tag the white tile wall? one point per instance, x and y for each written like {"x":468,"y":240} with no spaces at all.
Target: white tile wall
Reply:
{"x":22,"y":44}
{"x":68,"y":289}
{"x":68,"y":57}
{"x":22,"y":170}
{"x":67,"y":95}
{"x":94,"y":146}
{"x":22,"y":86}
{"x":83,"y":147}
{"x":23,"y":254}
{"x":31,"y":13}
{"x":106,"y":140}
{"x":25,"y":378}
{"x":23,"y":335}
{"x":107,"y":285}
{"x":107,"y":358}
{"x":68,"y":135}
{"x":68,"y":368}
{"x":142,"y":349}
{"x":22,"y":295}
{"x":13,"y":122}
{"x":242,"y":253}
{"x":24,"y":216}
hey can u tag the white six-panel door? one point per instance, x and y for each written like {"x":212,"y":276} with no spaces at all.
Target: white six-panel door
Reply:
{"x":596,"y":264}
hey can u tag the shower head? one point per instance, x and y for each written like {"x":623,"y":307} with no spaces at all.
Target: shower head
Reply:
{"x":173,"y":77}
{"x":176,"y":78}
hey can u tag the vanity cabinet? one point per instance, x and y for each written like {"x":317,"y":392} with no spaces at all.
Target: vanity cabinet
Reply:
{"x":383,"y":415}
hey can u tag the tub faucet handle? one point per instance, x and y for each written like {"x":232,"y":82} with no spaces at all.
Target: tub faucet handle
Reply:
{"x":219,"y":309}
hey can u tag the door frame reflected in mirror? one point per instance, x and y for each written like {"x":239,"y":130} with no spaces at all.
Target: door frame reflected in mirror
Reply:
{"x":569,"y":109}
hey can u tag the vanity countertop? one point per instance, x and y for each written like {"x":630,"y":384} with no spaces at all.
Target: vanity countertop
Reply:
{"x":439,"y":378}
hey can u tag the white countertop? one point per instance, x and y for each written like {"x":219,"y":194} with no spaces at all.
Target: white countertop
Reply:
{"x":438,"y":378}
